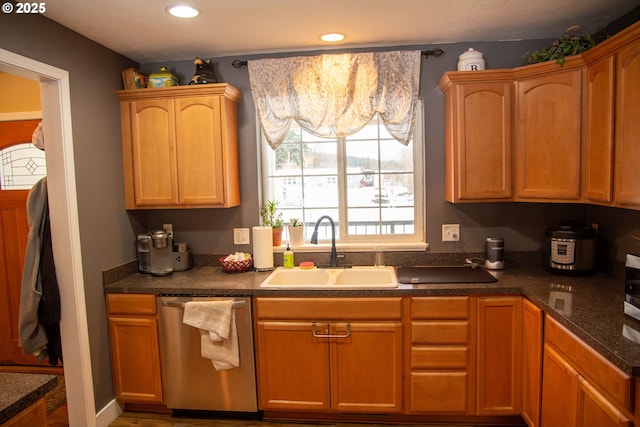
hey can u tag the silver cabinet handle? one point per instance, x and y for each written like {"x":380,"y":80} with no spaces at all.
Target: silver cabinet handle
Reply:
{"x":315,"y":334}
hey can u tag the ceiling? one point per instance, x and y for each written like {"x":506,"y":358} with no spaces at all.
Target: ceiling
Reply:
{"x":143,"y":31}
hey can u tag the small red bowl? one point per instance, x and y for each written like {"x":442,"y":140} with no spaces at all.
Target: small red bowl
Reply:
{"x":236,"y":266}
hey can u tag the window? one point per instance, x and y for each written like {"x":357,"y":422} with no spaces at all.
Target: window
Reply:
{"x":22,"y":166}
{"x":370,"y":184}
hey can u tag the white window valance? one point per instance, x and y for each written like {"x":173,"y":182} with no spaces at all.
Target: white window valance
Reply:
{"x":336,"y":95}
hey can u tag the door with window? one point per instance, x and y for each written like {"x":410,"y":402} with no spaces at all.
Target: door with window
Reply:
{"x":22,"y":166}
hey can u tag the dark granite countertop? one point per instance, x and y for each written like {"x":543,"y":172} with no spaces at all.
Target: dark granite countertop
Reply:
{"x":19,"y":391}
{"x":591,"y":307}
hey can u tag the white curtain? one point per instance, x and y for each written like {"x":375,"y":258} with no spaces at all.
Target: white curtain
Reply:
{"x":336,"y":95}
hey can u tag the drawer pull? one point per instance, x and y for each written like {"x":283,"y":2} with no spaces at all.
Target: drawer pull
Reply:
{"x":317,"y":335}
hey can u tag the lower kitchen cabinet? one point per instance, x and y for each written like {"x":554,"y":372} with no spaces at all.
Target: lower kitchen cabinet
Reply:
{"x":594,"y":410}
{"x":580,"y":388}
{"x":532,"y":340}
{"x":441,"y":356}
{"x":329,"y":354}
{"x":135,"y":350}
{"x":560,"y":383}
{"x":499,"y":350}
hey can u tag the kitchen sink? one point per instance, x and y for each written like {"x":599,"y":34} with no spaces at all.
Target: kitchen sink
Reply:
{"x":334,"y":278}
{"x":288,"y":277}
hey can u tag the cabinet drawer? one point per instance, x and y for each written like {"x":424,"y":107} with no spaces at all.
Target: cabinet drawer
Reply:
{"x":440,"y":308}
{"x":329,"y":308}
{"x":439,"y":392}
{"x":614,"y":383}
{"x":135,"y":304}
{"x":439,"y":357}
{"x":440,"y":332}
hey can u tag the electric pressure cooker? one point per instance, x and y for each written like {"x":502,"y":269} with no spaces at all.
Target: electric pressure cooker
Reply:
{"x":569,"y":248}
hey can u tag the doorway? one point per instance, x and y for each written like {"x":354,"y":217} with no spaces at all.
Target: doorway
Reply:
{"x":65,"y":230}
{"x":22,"y":166}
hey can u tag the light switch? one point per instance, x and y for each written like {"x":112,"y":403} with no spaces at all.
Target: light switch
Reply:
{"x":241,"y":236}
{"x":450,"y":232}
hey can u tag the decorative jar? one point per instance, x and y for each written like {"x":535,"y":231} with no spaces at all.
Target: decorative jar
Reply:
{"x":471,"y":60}
{"x":162,"y":78}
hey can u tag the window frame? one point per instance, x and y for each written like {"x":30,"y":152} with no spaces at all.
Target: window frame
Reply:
{"x":410,"y":242}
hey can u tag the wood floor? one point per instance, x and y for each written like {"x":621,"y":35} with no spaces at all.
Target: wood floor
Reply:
{"x":154,"y":420}
{"x":59,"y":418}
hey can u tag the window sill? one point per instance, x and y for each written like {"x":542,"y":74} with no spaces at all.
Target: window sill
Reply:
{"x":356,"y":247}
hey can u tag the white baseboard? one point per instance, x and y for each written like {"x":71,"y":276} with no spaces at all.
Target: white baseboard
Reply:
{"x":108,"y":414}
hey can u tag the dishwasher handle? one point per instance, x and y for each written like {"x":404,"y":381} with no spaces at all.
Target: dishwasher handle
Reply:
{"x":168,"y":303}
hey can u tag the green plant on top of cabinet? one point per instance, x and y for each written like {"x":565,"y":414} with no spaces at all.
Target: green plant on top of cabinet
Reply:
{"x":180,"y":147}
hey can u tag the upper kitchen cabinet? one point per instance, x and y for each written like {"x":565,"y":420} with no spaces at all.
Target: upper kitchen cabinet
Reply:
{"x":478,"y":136}
{"x":627,"y":126}
{"x":545,"y":133}
{"x":180,"y":147}
{"x":612,"y":121}
{"x":547,"y":136}
{"x":598,"y":137}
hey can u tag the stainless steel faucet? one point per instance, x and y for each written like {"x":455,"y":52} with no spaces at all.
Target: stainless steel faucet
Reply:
{"x":333,"y":261}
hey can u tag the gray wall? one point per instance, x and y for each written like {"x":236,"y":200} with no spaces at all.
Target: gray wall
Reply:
{"x":105,"y":229}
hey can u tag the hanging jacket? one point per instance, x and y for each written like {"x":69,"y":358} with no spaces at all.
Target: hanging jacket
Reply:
{"x":39,"y":297}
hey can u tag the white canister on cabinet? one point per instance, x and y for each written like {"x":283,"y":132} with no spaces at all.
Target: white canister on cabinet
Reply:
{"x":471,"y":60}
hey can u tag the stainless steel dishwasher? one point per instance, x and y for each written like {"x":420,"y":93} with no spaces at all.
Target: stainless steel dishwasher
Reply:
{"x":190,"y":380}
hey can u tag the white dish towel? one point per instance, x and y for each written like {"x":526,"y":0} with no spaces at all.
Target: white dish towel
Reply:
{"x":218,"y":333}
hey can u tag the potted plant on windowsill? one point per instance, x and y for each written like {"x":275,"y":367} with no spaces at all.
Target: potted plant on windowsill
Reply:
{"x":296,"y":232}
{"x":272,"y":218}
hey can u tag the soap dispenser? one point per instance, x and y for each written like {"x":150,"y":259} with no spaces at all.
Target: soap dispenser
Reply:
{"x":287,"y":257}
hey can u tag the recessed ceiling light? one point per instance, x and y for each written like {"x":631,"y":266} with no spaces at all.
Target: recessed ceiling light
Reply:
{"x":183,"y":11}
{"x":332,"y":37}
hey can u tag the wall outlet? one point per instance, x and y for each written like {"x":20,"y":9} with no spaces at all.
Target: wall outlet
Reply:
{"x":450,"y":232}
{"x":241,"y":236}
{"x":169,"y":229}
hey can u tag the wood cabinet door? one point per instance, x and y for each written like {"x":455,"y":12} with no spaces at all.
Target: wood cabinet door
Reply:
{"x":478,"y":141}
{"x":366,"y":367}
{"x":598,"y":138}
{"x":199,"y":151}
{"x":548,"y":137}
{"x":594,"y":410}
{"x":135,"y":359}
{"x":627,"y":172}
{"x":532,"y":342}
{"x":499,"y":360}
{"x":559,"y":391}
{"x":293,"y":366}
{"x":153,"y":152}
